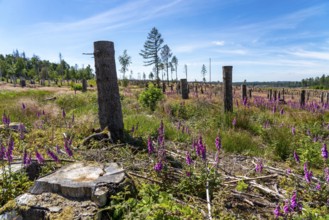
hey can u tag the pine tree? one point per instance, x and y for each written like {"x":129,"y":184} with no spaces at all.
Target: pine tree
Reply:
{"x":150,"y":54}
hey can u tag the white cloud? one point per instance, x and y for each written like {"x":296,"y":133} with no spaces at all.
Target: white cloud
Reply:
{"x":311,"y":54}
{"x":219,"y":43}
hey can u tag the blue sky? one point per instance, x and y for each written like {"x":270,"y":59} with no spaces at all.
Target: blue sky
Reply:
{"x":264,"y":40}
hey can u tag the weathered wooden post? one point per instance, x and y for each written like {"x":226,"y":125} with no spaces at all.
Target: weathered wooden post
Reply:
{"x":322,"y":97}
{"x":327,"y":97}
{"x":250,"y":93}
{"x":22,"y":82}
{"x":275,"y":95}
{"x":84,"y":85}
{"x":308,"y":96}
{"x":163,"y":87}
{"x":302,"y":98}
{"x":243,"y":91}
{"x":227,"y":88}
{"x":184,"y":88}
{"x":109,"y":105}
{"x":270,"y":94}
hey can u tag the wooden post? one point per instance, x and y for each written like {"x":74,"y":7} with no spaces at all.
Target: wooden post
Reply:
{"x":327,"y":97}
{"x":184,"y":88}
{"x":227,"y":88}
{"x":84,"y":85}
{"x":163,"y":87}
{"x":308,"y":96}
{"x":302,"y":98}
{"x":270,"y":94}
{"x":275,"y":95}
{"x":109,"y":105}
{"x":243,"y":91}
{"x":321,"y":97}
{"x":250,"y":93}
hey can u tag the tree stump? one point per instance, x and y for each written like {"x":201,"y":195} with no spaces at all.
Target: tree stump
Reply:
{"x":109,"y":111}
{"x":184,"y":88}
{"x":227,"y":89}
{"x":84,"y":85}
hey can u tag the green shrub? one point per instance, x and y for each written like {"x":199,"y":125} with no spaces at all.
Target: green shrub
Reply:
{"x":76,"y":86}
{"x":150,"y":97}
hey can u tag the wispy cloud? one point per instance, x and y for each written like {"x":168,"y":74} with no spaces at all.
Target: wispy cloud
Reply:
{"x":219,"y":43}
{"x":311,"y":54}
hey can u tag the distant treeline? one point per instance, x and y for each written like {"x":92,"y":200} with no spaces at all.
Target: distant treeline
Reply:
{"x":17,"y":65}
{"x":317,"y":82}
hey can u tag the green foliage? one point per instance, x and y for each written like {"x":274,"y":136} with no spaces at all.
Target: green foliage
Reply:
{"x":240,"y":142}
{"x":241,"y":186}
{"x":151,"y":203}
{"x":76,"y":86}
{"x":150,"y":97}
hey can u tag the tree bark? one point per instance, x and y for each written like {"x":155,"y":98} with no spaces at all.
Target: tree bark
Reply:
{"x":109,"y":112}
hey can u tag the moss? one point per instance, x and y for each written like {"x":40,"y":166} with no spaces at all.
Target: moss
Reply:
{"x":10,"y":205}
{"x":67,"y":213}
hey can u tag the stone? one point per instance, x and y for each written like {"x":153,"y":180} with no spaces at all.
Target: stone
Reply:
{"x":13,"y":126}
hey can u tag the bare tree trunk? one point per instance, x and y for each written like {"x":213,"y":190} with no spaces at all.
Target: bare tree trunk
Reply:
{"x":110,"y":113}
{"x":184,"y":88}
{"x":227,"y":88}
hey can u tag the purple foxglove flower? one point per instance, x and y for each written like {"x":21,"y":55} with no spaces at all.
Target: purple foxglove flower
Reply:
{"x":307,"y":174}
{"x":63,"y":113}
{"x":58,"y":150}
{"x":308,"y":132}
{"x":43,"y":112}
{"x":38,"y":114}
{"x":234,"y":122}
{"x":21,"y":129}
{"x":288,"y":171}
{"x":10,"y":148}
{"x":318,"y":187}
{"x":277,"y":211}
{"x":326,"y":174}
{"x":296,"y":157}
{"x":150,"y":147}
{"x":158,"y":167}
{"x":5,"y":119}
{"x":281,"y":111}
{"x":25,"y":158}
{"x":259,"y":166}
{"x":67,"y":144}
{"x":23,"y":106}
{"x":274,"y":109}
{"x":245,"y":101}
{"x":52,"y":155}
{"x":293,"y":201}
{"x":188,"y":158}
{"x":218,"y":143}
{"x":293,"y":130}
{"x":39,"y":157}
{"x":2,"y":152}
{"x":188,"y":173}
{"x":324,"y":151}
{"x":286,"y":207}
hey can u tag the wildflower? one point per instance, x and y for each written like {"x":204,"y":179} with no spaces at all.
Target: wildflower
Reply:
{"x":281,"y":111}
{"x":324,"y":151}
{"x":2,"y":152}
{"x":288,"y":171}
{"x":150,"y":147}
{"x":158,"y":167}
{"x":296,"y":157}
{"x":201,"y":149}
{"x":63,"y":113}
{"x":259,"y":166}
{"x":308,"y":132}
{"x":9,"y":153}
{"x":58,"y":150}
{"x":23,"y":106}
{"x":318,"y":186}
{"x":38,"y":114}
{"x":67,"y":143}
{"x":293,"y":130}
{"x":188,"y":158}
{"x":307,"y":174}
{"x":52,"y":155}
{"x":25,"y":158}
{"x":39,"y":157}
{"x":132,"y":129}
{"x":277,"y":211}
{"x":293,"y":201}
{"x":245,"y":101}
{"x":21,"y":129}
{"x":286,"y":207}
{"x":188,"y":173}
{"x":326,"y":174}
{"x":5,"y":119}
{"x":274,"y":109}
{"x":234,"y":122}
{"x":218,"y":143}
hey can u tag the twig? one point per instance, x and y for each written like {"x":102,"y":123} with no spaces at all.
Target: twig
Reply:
{"x":249,"y":179}
{"x":208,"y":200}
{"x":144,"y":177}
